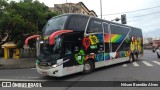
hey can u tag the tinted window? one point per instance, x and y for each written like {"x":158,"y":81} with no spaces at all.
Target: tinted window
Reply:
{"x":77,"y":23}
{"x":105,"y":26}
{"x":70,"y":47}
{"x":54,"y":24}
{"x":115,"y":29}
{"x":95,"y":25}
{"x":136,"y":32}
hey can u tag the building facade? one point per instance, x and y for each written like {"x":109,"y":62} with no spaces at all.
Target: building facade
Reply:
{"x":73,"y":8}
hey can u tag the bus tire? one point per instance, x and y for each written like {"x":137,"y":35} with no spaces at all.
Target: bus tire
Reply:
{"x":131,"y":58}
{"x":136,"y":56}
{"x":88,"y":67}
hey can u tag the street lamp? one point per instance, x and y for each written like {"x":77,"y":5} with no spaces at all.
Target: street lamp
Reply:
{"x":116,"y":19}
{"x":123,"y":19}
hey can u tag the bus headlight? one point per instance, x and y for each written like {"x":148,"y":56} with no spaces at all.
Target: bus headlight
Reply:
{"x":54,"y":65}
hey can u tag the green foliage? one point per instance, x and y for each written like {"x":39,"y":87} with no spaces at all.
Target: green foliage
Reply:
{"x":22,"y":19}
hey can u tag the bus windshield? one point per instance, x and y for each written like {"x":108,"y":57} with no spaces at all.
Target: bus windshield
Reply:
{"x":50,"y":52}
{"x":54,"y":24}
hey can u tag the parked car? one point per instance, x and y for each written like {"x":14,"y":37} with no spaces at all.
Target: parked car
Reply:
{"x":156,"y":45}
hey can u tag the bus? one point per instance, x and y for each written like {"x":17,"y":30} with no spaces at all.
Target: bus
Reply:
{"x":72,"y":43}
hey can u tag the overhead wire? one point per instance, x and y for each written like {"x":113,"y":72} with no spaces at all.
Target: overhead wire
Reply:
{"x":145,"y":14}
{"x":131,"y":11}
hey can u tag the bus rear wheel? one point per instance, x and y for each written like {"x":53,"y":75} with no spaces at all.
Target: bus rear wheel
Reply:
{"x":88,"y":67}
{"x":136,"y":56}
{"x":132,"y":58}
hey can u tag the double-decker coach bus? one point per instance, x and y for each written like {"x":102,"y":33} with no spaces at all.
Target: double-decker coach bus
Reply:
{"x":73,"y":43}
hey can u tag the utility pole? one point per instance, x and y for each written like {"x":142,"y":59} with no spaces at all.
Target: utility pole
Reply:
{"x":66,"y":1}
{"x":101,"y":8}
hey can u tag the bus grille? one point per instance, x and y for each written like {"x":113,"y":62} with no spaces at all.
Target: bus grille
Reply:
{"x":44,"y":67}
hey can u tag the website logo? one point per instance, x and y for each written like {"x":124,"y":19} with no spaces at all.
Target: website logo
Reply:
{"x":6,"y":84}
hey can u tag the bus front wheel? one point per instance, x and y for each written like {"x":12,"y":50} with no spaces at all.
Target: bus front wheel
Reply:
{"x":88,"y":67}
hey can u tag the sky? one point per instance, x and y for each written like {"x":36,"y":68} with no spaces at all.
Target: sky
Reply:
{"x":148,"y":20}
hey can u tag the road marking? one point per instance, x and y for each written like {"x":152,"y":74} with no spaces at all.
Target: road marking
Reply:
{"x":146,"y":63}
{"x":20,"y":80}
{"x":124,"y":65}
{"x":157,"y":62}
{"x":135,"y":64}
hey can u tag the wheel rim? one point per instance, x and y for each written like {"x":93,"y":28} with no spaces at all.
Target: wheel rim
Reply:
{"x":87,"y":67}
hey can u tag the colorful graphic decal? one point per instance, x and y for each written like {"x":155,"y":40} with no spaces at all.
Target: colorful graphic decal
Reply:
{"x":90,"y":56}
{"x":106,"y":38}
{"x":93,"y":46}
{"x":135,"y":44}
{"x":80,"y":57}
{"x":115,"y":38}
{"x":113,"y":55}
{"x":100,"y":38}
{"x":128,"y":38}
{"x":99,"y":57}
{"x":107,"y":56}
{"x":86,"y":42}
{"x":122,"y":54}
{"x":117,"y":54}
{"x":126,"y":53}
{"x":93,"y":39}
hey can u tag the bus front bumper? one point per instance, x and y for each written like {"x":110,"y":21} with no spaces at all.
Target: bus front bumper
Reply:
{"x":49,"y":71}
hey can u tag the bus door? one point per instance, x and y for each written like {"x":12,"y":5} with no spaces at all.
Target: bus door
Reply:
{"x":95,"y":35}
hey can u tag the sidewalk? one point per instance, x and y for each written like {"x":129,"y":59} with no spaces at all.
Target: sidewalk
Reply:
{"x":17,"y":63}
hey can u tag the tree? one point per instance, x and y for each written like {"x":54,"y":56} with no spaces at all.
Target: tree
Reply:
{"x":22,"y":19}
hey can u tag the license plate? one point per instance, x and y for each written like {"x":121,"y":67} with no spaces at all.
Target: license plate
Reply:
{"x":44,"y":73}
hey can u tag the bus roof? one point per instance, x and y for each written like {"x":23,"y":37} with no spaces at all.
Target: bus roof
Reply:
{"x":73,"y":14}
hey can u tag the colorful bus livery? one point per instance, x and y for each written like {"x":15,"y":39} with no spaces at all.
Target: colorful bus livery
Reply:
{"x":73,"y":43}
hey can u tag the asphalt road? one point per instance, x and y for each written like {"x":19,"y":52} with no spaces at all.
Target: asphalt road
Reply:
{"x":145,"y":69}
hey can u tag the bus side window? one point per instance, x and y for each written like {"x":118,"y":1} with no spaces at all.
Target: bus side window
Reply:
{"x":77,"y":23}
{"x":67,"y":49}
{"x":95,"y":26}
{"x":105,"y":26}
{"x":71,"y":47}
